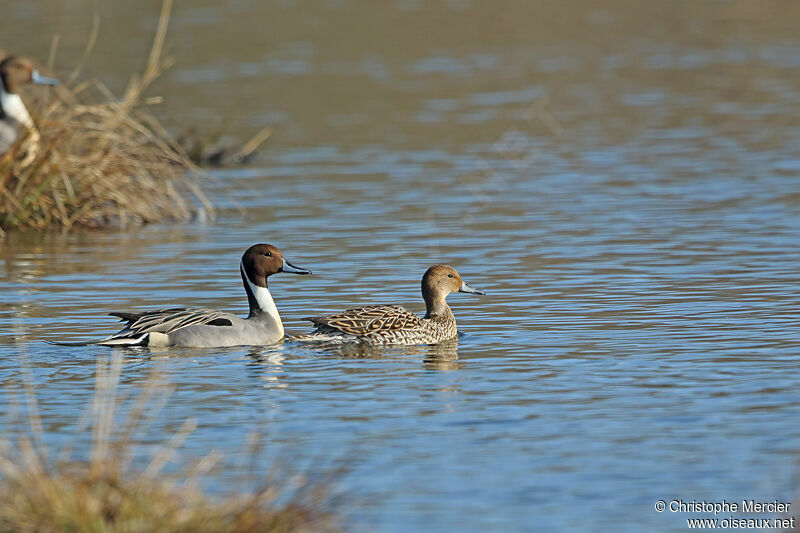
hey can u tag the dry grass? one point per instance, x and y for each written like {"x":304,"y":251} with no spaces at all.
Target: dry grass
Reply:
{"x":105,"y":493}
{"x":82,"y":499}
{"x":100,"y":160}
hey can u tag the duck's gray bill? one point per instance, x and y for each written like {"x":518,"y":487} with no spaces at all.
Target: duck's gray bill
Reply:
{"x":38,"y":79}
{"x":471,"y":290}
{"x":288,"y":267}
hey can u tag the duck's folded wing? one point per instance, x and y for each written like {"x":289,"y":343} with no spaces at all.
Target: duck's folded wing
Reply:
{"x":364,"y":320}
{"x":169,"y":320}
{"x":139,"y":326}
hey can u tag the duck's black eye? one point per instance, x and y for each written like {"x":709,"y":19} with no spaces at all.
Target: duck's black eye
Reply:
{"x":449,"y":275}
{"x":268,"y":254}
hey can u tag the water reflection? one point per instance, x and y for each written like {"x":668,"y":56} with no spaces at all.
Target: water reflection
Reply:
{"x":268,"y":361}
{"x":443,"y":356}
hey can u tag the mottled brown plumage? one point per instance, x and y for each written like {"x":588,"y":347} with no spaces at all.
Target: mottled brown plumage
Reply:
{"x":369,"y":319}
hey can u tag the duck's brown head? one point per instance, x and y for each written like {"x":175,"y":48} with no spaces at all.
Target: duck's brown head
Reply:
{"x":441,"y":280}
{"x":16,"y":71}
{"x":260,"y":261}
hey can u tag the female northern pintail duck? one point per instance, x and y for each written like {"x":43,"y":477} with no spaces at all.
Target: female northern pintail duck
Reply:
{"x":391,"y":324}
{"x":15,"y":72}
{"x":208,"y":328}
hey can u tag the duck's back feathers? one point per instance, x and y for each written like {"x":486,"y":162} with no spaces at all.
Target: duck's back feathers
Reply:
{"x":169,"y":320}
{"x":379,"y":324}
{"x":365,"y":320}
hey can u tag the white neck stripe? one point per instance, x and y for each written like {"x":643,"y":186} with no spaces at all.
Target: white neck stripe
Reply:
{"x":13,"y":107}
{"x":263,"y":299}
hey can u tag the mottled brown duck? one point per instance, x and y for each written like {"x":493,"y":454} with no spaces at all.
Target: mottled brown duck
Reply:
{"x":391,"y":324}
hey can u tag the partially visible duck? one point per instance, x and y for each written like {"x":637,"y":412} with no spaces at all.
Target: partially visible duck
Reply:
{"x":209,"y":328}
{"x":16,"y":72}
{"x":391,"y":324}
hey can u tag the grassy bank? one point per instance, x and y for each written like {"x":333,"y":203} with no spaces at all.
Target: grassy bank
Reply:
{"x":99,"y":160}
{"x":106,"y":493}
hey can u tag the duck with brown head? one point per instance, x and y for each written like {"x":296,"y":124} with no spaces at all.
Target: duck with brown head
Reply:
{"x":16,"y":72}
{"x":391,"y":324}
{"x":209,"y":328}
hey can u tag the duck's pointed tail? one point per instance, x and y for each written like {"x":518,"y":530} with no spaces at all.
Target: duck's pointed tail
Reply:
{"x":139,"y":340}
{"x":71,"y":343}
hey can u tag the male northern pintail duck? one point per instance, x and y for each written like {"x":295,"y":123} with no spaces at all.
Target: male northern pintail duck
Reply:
{"x":391,"y":324}
{"x":208,"y":328}
{"x":15,"y":72}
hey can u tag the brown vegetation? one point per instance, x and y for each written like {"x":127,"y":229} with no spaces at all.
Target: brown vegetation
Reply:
{"x":107,"y":493}
{"x":99,"y":161}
